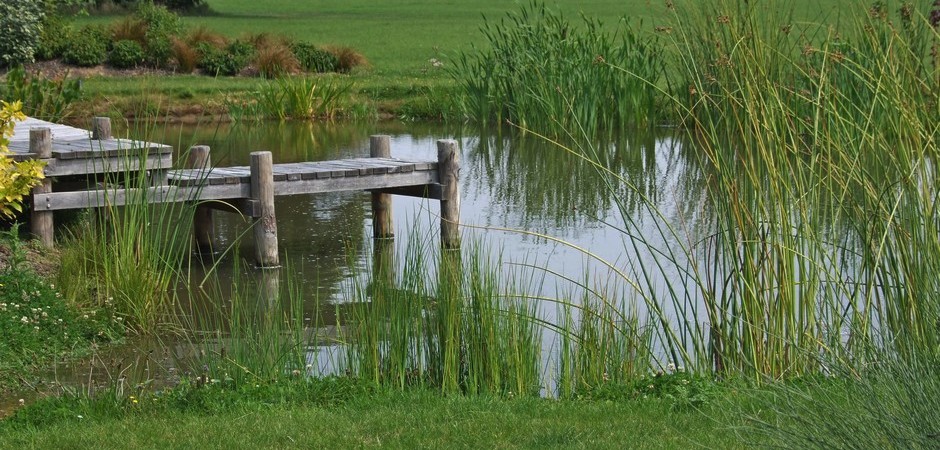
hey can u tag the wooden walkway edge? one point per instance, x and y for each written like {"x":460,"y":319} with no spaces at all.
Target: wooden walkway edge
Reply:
{"x":250,"y":189}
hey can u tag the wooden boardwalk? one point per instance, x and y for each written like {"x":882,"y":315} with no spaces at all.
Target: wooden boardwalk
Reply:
{"x":74,"y":151}
{"x":250,"y":189}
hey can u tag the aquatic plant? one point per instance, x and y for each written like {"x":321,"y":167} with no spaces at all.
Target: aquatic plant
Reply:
{"x":541,"y":72}
{"x":455,"y":326}
{"x":296,"y":98}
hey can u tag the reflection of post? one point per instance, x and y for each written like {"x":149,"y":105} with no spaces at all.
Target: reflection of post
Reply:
{"x":379,"y":147}
{"x":383,"y":264}
{"x":262,"y":193}
{"x":448,"y":169}
{"x":200,"y":160}
{"x":269,"y":289}
{"x":40,"y":143}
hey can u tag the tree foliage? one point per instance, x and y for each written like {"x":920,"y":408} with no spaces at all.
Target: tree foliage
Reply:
{"x":16,"y":178}
{"x":20,"y":28}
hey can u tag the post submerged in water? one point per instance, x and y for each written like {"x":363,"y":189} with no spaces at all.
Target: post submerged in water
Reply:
{"x":262,"y":193}
{"x":448,"y":167}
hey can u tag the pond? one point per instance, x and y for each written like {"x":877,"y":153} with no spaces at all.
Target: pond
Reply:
{"x":540,"y":211}
{"x":522,"y":197}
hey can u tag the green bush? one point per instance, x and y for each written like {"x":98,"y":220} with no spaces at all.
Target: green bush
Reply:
{"x":228,"y":61}
{"x":126,"y":54}
{"x":55,"y":35}
{"x":42,"y":98}
{"x":314,"y":59}
{"x":20,"y":26}
{"x":88,"y":47}
{"x":162,"y":26}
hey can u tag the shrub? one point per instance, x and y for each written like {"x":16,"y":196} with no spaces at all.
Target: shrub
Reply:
{"x":16,"y":178}
{"x":41,"y":97}
{"x":347,"y":59}
{"x":88,"y":47}
{"x":161,"y":27}
{"x":185,"y":56}
{"x":55,"y":35}
{"x":275,"y":60}
{"x":20,"y":29}
{"x":126,"y":54}
{"x":259,"y":40}
{"x":229,"y":61}
{"x":129,"y":29}
{"x":202,"y":34}
{"x":314,"y":59}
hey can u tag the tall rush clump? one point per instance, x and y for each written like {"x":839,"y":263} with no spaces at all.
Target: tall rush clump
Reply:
{"x":820,"y":148}
{"x":542,"y":72}
{"x":455,"y":326}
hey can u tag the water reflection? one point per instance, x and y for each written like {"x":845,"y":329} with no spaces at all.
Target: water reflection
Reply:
{"x":509,"y":180}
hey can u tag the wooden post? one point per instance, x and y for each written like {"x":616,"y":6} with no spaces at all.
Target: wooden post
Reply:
{"x":200,"y":160}
{"x":448,"y":169}
{"x":262,"y":192}
{"x":40,"y":143}
{"x":379,"y":147}
{"x":101,"y":128}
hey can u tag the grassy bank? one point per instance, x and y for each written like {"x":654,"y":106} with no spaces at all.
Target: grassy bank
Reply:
{"x":356,"y":417}
{"x":410,"y":49}
{"x":814,"y":280}
{"x":37,"y":326}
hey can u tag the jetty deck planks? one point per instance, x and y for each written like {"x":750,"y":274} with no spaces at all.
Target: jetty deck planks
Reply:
{"x":73,"y":151}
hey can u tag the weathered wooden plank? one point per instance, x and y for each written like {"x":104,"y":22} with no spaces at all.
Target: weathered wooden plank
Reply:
{"x":55,"y":201}
{"x":354,"y":183}
{"x":60,"y":167}
{"x":118,"y":196}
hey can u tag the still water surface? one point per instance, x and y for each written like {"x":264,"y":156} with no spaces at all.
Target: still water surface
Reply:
{"x":523,"y":199}
{"x":519,"y":194}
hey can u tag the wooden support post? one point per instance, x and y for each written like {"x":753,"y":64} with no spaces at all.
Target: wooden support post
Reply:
{"x":379,"y":147}
{"x":262,"y":192}
{"x":101,"y":128}
{"x":200,"y":160}
{"x":40,"y":143}
{"x":448,"y":169}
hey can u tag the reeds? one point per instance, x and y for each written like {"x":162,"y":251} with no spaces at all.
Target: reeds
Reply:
{"x":543,"y":73}
{"x":455,"y":326}
{"x":129,"y":257}
{"x":294,"y":98}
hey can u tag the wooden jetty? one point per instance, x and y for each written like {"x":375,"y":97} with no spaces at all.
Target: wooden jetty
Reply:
{"x":249,"y":189}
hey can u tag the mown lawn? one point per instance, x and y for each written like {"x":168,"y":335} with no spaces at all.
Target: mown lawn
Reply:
{"x":396,"y":420}
{"x":398,"y":38}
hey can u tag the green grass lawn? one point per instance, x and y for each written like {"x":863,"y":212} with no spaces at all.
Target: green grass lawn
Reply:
{"x":396,"y":420}
{"x":398,"y":38}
